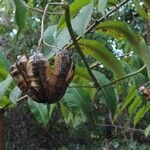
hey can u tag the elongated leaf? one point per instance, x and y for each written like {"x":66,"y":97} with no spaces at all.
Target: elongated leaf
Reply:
{"x":79,"y":98}
{"x":118,"y":30}
{"x":129,"y":98}
{"x":137,"y":101}
{"x":100,"y":52}
{"x":82,"y":72}
{"x":20,"y":13}
{"x":81,"y":21}
{"x":140,"y":9}
{"x":51,"y":110}
{"x":145,"y":54}
{"x":5,"y":102}
{"x":147,"y":131}
{"x":63,"y":38}
{"x":121,"y":30}
{"x":49,"y":34}
{"x":107,"y":94}
{"x":79,"y":24}
{"x":141,"y":113}
{"x":14,"y":95}
{"x":78,"y":119}
{"x":74,"y":9}
{"x":3,"y":74}
{"x":102,"y":5}
{"x":40,"y":111}
{"x":112,"y":2}
{"x":67,"y":114}
{"x":4,"y":86}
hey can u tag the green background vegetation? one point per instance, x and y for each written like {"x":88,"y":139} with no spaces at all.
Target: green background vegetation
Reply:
{"x":114,"y":37}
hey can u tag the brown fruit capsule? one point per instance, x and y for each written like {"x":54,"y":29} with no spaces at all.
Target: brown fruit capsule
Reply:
{"x":44,"y":82}
{"x":144,"y":91}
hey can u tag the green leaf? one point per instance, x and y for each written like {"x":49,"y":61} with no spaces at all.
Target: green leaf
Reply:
{"x":79,"y":24}
{"x":107,"y":94}
{"x":140,"y":9}
{"x":14,"y":94}
{"x":80,"y":99}
{"x":121,"y":30}
{"x":101,"y":53}
{"x":82,"y":72}
{"x":81,"y":21}
{"x":102,"y":5}
{"x":51,"y":110}
{"x":49,"y":34}
{"x":140,"y":114}
{"x":132,"y":108}
{"x":118,"y":30}
{"x":145,"y":54}
{"x":147,"y":131}
{"x":40,"y":111}
{"x":3,"y":74}
{"x":5,"y":102}
{"x":4,"y":63}
{"x":132,"y":93}
{"x":67,"y":114}
{"x":4,"y":86}
{"x":74,"y":9}
{"x":79,"y":119}
{"x":20,"y":14}
{"x":112,"y":2}
{"x":62,"y":38}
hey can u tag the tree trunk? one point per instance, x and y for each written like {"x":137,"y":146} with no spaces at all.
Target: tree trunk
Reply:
{"x":2,"y":134}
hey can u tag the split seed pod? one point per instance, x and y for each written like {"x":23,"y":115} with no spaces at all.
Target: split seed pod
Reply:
{"x":42,"y":81}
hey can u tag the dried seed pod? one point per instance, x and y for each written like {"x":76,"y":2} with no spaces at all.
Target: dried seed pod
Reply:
{"x":144,"y":91}
{"x":44,"y":82}
{"x":18,"y":72}
{"x":18,"y":78}
{"x":61,"y":76}
{"x":37,"y":70}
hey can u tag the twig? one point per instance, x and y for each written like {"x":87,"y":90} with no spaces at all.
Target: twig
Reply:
{"x":69,"y":26}
{"x":114,"y":81}
{"x":22,"y":98}
{"x":119,"y":79}
{"x":125,"y":77}
{"x":98,"y":21}
{"x":82,"y":86}
{"x":42,"y":28}
{"x":120,"y":127}
{"x":42,"y":11}
{"x":42,"y":24}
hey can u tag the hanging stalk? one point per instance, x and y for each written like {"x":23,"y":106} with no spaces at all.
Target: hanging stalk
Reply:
{"x":2,"y":134}
{"x":73,"y":37}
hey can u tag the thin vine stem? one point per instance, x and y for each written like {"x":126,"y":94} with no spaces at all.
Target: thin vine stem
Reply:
{"x":42,"y":24}
{"x":119,"y":127}
{"x":42,"y":29}
{"x":42,"y":11}
{"x":73,"y":37}
{"x":125,"y":77}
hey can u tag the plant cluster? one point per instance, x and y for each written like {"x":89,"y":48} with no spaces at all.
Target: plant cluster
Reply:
{"x":108,"y":98}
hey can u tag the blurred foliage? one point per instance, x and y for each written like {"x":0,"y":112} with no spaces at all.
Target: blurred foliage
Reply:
{"x":116,"y":116}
